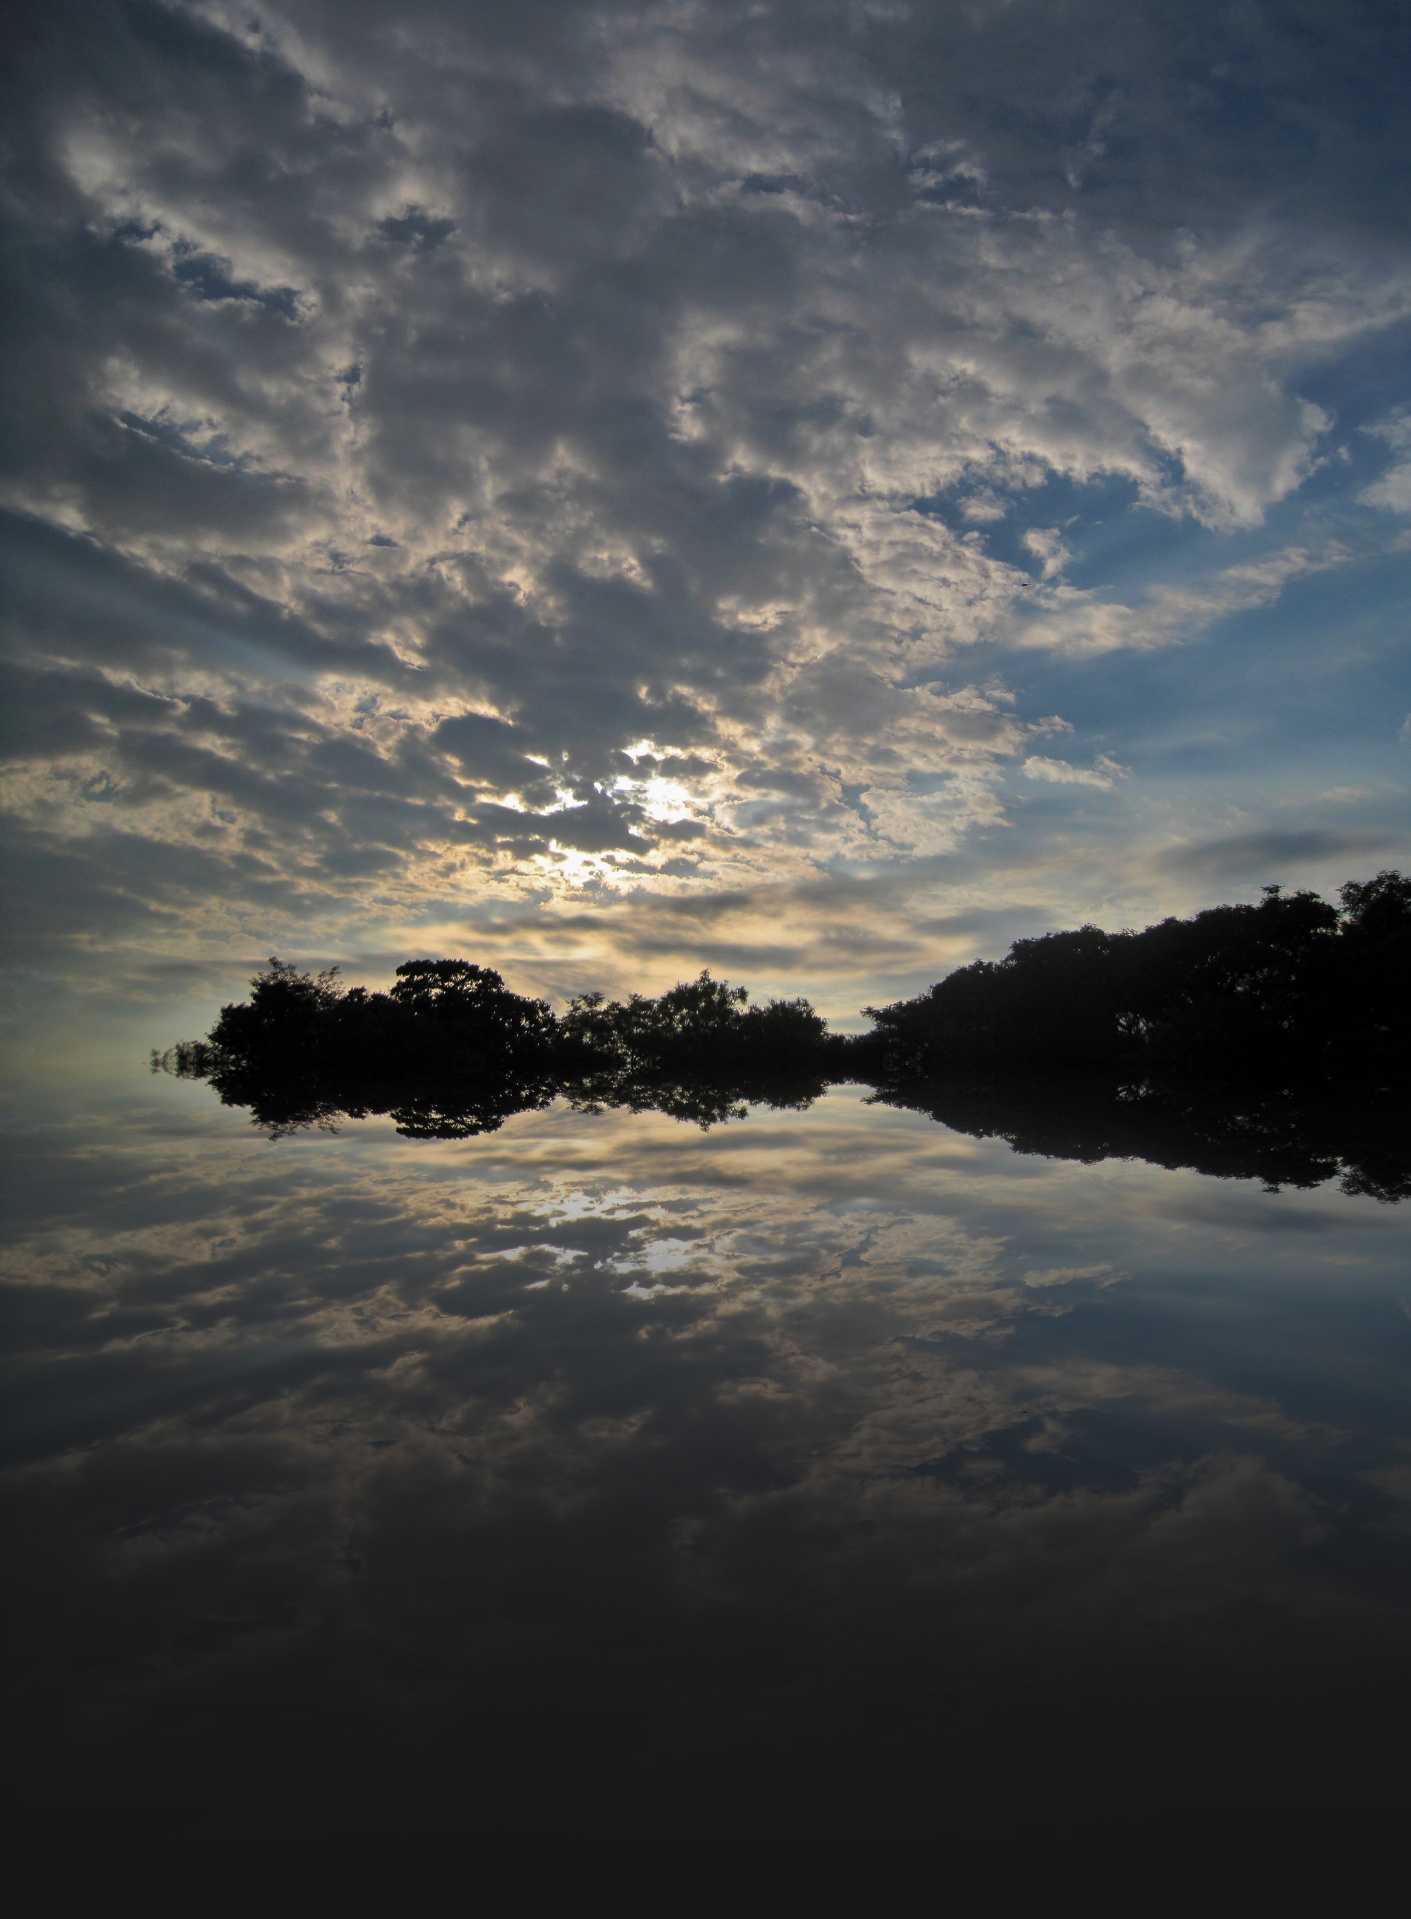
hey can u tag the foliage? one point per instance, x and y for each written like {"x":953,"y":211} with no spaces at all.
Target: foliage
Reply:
{"x":697,"y":1052}
{"x":1293,"y":987}
{"x":450,"y":1051}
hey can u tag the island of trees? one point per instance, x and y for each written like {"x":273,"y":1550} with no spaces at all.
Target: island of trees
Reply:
{"x":1267,"y":1040}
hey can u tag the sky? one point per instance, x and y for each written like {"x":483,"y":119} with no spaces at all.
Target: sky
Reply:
{"x":815,"y":490}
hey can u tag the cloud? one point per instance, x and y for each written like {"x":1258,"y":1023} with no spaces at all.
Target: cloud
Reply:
{"x":1103,"y":773}
{"x":418,"y":433}
{"x":1393,"y":490}
{"x":1249,"y":856}
{"x":1084,"y":622}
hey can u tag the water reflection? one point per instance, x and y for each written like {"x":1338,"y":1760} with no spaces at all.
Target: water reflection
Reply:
{"x":830,"y":1464}
{"x":1240,"y":1130}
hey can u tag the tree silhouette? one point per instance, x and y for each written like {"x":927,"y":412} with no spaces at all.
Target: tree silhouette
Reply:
{"x":1292,"y":987}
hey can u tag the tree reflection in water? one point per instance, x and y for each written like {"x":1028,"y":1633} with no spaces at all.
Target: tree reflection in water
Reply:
{"x":1228,"y":1128}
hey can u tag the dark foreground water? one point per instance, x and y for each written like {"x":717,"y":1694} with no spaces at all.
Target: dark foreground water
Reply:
{"x":831,"y":1468}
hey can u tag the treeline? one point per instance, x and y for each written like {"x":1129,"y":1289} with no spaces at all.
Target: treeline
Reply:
{"x":1294,"y":988}
{"x":451,"y":1051}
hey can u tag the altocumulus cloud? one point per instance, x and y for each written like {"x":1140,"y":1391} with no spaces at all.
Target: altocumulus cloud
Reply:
{"x":471,"y":461}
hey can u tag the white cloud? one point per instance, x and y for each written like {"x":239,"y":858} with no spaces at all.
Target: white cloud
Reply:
{"x":1103,"y":773}
{"x":1082,"y":622}
{"x":1393,"y":490}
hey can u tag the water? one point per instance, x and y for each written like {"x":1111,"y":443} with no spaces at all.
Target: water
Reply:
{"x":827,"y":1466}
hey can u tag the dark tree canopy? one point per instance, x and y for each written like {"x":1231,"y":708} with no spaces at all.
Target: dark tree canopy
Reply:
{"x":451,"y":1051}
{"x":1292,"y":987}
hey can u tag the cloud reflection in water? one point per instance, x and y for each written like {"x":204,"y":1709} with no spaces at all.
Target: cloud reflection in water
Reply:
{"x":826,"y":1459}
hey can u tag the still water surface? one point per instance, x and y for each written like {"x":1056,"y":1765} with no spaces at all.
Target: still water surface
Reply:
{"x":826,"y":1466}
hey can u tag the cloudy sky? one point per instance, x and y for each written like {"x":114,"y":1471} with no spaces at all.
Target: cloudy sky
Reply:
{"x":813,"y":487}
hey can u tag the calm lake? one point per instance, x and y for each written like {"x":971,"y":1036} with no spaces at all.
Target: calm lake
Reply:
{"x":827,"y":1466}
